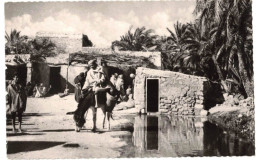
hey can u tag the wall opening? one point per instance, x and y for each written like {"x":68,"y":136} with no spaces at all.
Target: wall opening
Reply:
{"x":55,"y":80}
{"x":152,"y":95}
{"x":20,"y":70}
{"x":152,"y":138}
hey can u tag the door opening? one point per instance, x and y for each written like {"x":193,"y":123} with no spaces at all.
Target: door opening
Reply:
{"x":55,"y":80}
{"x":152,"y":95}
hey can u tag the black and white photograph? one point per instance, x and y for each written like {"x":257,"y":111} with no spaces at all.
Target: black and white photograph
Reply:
{"x":128,"y":79}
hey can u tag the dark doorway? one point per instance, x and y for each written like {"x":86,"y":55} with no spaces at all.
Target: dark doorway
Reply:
{"x":20,"y":70}
{"x":152,"y":97}
{"x":152,"y":133}
{"x":22,"y":73}
{"x":55,"y":80}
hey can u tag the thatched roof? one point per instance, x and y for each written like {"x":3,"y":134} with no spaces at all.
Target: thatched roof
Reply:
{"x":81,"y":59}
{"x":17,"y":59}
{"x":112,"y":59}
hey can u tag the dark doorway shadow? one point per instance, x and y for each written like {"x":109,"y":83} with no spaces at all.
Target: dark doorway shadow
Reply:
{"x":26,"y":146}
{"x":63,"y":82}
{"x":55,"y":80}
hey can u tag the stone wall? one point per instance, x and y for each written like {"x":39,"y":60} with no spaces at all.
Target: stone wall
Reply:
{"x":65,"y":42}
{"x":180,"y":94}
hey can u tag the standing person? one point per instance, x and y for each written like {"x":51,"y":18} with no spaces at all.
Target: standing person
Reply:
{"x":16,"y":101}
{"x":113,"y":79}
{"x":133,"y":83}
{"x":79,"y":83}
{"x":120,"y":82}
{"x":105,"y":69}
{"x":120,"y":86}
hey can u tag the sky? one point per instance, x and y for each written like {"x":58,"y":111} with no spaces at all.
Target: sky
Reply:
{"x":103,"y":22}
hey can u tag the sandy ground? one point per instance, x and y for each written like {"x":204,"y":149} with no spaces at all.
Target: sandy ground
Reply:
{"x":49,"y":133}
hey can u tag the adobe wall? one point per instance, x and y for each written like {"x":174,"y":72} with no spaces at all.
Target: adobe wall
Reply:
{"x":180,"y":94}
{"x":73,"y":71}
{"x":65,"y":42}
{"x":41,"y":74}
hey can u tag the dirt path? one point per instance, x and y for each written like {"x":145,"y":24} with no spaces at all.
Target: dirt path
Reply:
{"x":49,"y":133}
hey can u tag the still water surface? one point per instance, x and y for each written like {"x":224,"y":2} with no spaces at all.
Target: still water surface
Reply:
{"x":165,"y":136}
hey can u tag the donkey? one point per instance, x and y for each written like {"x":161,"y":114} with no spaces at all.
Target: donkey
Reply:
{"x":106,"y":101}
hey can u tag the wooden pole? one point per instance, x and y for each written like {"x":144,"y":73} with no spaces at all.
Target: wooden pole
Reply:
{"x":67,"y":76}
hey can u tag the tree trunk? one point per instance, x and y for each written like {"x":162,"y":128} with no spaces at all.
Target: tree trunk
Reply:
{"x":220,"y":75}
{"x":248,"y":85}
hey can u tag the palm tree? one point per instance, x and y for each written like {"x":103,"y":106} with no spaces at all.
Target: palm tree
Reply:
{"x":175,"y":46}
{"x":231,"y":41}
{"x":41,"y":48}
{"x":178,"y":37}
{"x":15,"y":43}
{"x":196,"y":47}
{"x":140,"y":40}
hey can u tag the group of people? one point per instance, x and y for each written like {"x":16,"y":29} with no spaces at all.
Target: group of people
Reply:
{"x":37,"y":91}
{"x":95,"y":78}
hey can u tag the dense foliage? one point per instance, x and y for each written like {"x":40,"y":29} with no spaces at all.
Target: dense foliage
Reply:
{"x":217,"y":45}
{"x":39,"y":48}
{"x":15,"y":43}
{"x":141,"y":40}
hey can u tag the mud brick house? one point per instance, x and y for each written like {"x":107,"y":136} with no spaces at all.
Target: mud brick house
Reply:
{"x":172,"y":92}
{"x":60,"y":71}
{"x":52,"y":72}
{"x":65,"y":42}
{"x":55,"y":71}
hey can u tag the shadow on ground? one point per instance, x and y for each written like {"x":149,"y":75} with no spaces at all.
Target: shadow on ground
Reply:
{"x":26,"y":146}
{"x":23,"y":134}
{"x":25,"y":117}
{"x":58,"y":130}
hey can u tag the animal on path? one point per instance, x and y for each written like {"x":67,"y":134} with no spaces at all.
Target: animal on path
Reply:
{"x":106,"y":101}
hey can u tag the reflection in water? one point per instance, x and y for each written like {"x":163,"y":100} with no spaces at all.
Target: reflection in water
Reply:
{"x":166,"y":136}
{"x":152,"y":133}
